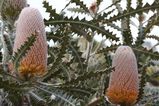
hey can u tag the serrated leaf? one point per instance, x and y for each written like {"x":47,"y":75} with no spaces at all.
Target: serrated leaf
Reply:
{"x":12,"y":87}
{"x":81,"y":4}
{"x":49,"y":9}
{"x":152,"y":21}
{"x":99,"y":2}
{"x":127,"y":37}
{"x":87,"y":75}
{"x":78,"y":56}
{"x":132,"y":12}
{"x":77,"y":10}
{"x":143,"y":80}
{"x":147,"y":53}
{"x":94,"y":27}
{"x":103,"y":16}
{"x":22,"y":51}
{"x":153,"y":37}
{"x":57,"y":61}
{"x":61,"y":97}
{"x":107,"y":49}
{"x":141,"y":36}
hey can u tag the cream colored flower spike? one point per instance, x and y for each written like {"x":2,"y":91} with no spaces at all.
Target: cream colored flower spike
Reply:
{"x":35,"y":61}
{"x":124,"y":82}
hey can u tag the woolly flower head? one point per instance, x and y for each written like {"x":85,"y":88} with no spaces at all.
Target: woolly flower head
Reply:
{"x":34,"y":63}
{"x":11,"y":9}
{"x":124,"y":83}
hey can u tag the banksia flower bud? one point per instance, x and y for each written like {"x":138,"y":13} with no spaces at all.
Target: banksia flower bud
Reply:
{"x":11,"y":9}
{"x":34,"y":63}
{"x":93,"y":8}
{"x":124,"y":83}
{"x":141,"y":18}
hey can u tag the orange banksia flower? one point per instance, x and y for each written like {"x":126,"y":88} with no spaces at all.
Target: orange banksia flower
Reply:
{"x":34,"y":63}
{"x":124,"y":82}
{"x":11,"y":9}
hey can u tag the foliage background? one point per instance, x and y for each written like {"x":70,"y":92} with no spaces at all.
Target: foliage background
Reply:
{"x":78,"y":65}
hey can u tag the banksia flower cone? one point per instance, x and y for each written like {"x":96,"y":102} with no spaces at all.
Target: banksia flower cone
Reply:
{"x":11,"y":9}
{"x":124,"y":83}
{"x":34,"y":63}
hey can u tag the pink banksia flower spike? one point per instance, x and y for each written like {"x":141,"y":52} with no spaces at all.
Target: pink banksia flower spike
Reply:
{"x":11,"y":9}
{"x":124,"y":82}
{"x":34,"y":63}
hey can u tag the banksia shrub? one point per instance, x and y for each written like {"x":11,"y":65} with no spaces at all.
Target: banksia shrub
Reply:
{"x":11,"y":9}
{"x":124,"y":83}
{"x":34,"y":63}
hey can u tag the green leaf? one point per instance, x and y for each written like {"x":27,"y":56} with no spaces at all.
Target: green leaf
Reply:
{"x":127,"y":37}
{"x":147,"y":53}
{"x":13,"y":87}
{"x":154,"y":20}
{"x":58,"y":60}
{"x":87,"y":75}
{"x":62,"y":98}
{"x":77,"y":56}
{"x":8,"y":44}
{"x":94,"y":27}
{"x":107,"y":49}
{"x":77,"y":89}
{"x":141,"y":36}
{"x":153,"y":37}
{"x":110,"y":6}
{"x":49,"y":9}
{"x":22,"y":51}
{"x":115,"y":26}
{"x":132,"y":12}
{"x":102,"y":17}
{"x":143,"y":80}
{"x":37,"y":99}
{"x":99,"y":2}
{"x":81,"y":4}
{"x":77,"y":10}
